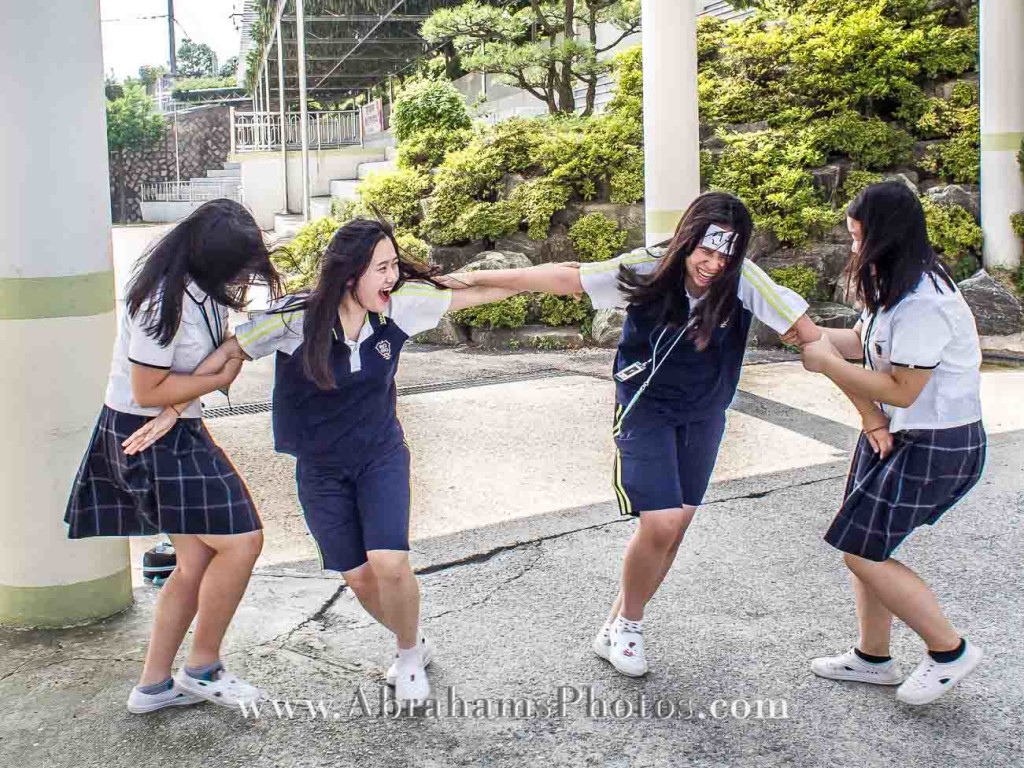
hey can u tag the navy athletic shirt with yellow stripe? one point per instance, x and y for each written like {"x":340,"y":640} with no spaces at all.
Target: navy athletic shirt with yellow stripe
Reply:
{"x":342,"y":425}
{"x":691,"y":385}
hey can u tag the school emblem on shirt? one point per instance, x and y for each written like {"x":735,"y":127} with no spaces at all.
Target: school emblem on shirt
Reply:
{"x":384,"y":348}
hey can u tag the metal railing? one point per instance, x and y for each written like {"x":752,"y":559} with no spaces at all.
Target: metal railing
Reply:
{"x":261,"y":131}
{"x":190,"y":191}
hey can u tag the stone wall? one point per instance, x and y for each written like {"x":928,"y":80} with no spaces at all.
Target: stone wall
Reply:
{"x":204,"y":141}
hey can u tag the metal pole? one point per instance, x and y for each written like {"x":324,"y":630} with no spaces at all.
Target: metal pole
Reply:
{"x":300,"y":38}
{"x":170,"y":38}
{"x":231,"y":118}
{"x":177,"y":157}
{"x":281,"y":108}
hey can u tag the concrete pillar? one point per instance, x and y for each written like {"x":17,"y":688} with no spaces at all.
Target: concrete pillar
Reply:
{"x":671,"y":126}
{"x":282,"y":106}
{"x":56,"y":313}
{"x":300,"y":36}
{"x":1002,"y":127}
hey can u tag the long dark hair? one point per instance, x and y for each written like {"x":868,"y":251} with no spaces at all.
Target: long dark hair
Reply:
{"x":219,"y":247}
{"x":347,"y":258}
{"x":894,"y":251}
{"x":664,"y":291}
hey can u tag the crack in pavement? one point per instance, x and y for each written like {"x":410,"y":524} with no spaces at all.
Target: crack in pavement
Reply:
{"x":529,"y":567}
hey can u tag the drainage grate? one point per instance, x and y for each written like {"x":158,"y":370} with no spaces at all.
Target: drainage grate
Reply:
{"x":417,"y":389}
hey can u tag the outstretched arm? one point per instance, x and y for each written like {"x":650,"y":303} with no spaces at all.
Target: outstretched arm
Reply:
{"x":562,"y":278}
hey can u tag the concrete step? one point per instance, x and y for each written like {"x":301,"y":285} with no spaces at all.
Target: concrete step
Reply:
{"x":345,"y":189}
{"x":206,"y":181}
{"x":232,"y":166}
{"x":365,"y":169}
{"x":224,"y":173}
{"x":286,"y":225}
{"x":319,"y":207}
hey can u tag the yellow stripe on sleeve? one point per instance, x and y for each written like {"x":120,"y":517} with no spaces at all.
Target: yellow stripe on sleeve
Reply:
{"x":766,"y":288}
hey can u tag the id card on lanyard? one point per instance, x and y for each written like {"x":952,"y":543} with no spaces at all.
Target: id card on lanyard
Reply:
{"x":213,"y":326}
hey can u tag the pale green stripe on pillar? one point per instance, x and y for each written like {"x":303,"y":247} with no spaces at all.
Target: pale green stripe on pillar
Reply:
{"x":662,"y":221}
{"x":34,"y":298}
{"x":1001,"y":142}
{"x":65,"y":605}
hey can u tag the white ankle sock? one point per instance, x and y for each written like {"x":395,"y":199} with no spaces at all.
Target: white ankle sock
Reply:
{"x":622,"y":624}
{"x":410,"y":656}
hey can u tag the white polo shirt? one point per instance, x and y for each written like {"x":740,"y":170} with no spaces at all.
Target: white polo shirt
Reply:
{"x":203,"y":326}
{"x":933,"y":328}
{"x":774,"y":305}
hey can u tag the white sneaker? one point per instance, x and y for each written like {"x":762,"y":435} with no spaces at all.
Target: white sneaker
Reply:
{"x":931,"y":678}
{"x":427,"y":653}
{"x":139,"y":703}
{"x":627,"y":651}
{"x":225,"y":691}
{"x":850,"y":666}
{"x":602,"y":644}
{"x":411,"y":685}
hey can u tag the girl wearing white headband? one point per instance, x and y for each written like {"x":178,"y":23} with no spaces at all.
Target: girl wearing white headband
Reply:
{"x":689,"y":305}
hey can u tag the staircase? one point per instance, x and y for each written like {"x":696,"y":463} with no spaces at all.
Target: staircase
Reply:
{"x":171,"y":201}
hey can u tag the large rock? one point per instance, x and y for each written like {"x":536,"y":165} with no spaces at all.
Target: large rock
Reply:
{"x":827,"y":259}
{"x":828,"y":180}
{"x":903,"y":179}
{"x":762,"y":243}
{"x":997,"y":311}
{"x":628,"y":217}
{"x":451,"y":258}
{"x":447,"y":333}
{"x":606,"y":327}
{"x":966,"y":196}
{"x":497,"y":260}
{"x":556,"y":247}
{"x":828,"y":314}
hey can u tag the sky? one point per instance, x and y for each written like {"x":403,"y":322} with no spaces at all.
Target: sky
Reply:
{"x":129,"y":42}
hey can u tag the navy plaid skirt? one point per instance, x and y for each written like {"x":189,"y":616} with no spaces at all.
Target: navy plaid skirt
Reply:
{"x":183,"y":483}
{"x":928,"y":471}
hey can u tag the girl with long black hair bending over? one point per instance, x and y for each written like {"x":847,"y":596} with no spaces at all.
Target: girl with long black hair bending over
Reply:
{"x":181,"y":484}
{"x":921,"y":359}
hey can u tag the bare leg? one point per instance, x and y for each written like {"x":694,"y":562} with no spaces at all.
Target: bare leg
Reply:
{"x":904,"y":593}
{"x":175,"y":607}
{"x":873,"y":618}
{"x":365,"y":586}
{"x":649,"y":556}
{"x":399,"y":593}
{"x":222,"y":588}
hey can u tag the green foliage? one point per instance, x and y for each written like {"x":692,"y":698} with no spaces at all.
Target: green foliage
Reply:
{"x":300,"y":261}
{"x":229,"y":69}
{"x":509,"y":313}
{"x":428,"y":105}
{"x":536,"y":201}
{"x":856,"y":181}
{"x":564,"y":310}
{"x":195,"y":59}
{"x":395,"y":195}
{"x":489,"y":220}
{"x":802,"y":280}
{"x":1017,"y":221}
{"x":868,"y":141}
{"x":958,"y":159}
{"x":956,"y":236}
{"x":149,"y":74}
{"x":417,"y":250}
{"x":766,"y":170}
{"x":131,"y":122}
{"x":595,"y":237}
{"x":199,"y":83}
{"x":428,"y":148}
{"x":627,"y":70}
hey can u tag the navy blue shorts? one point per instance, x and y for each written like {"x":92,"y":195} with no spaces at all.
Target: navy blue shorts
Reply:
{"x":928,"y":471}
{"x":353,"y":510}
{"x":665,"y":467}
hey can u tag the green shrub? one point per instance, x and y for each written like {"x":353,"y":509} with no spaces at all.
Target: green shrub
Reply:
{"x":766,"y":170}
{"x":869,"y":142}
{"x":564,"y":310}
{"x":957,"y":159}
{"x":955,"y":236}
{"x":1017,"y":221}
{"x":411,"y":246}
{"x":802,"y":280}
{"x":300,"y":261}
{"x":423,"y":105}
{"x":396,"y":195}
{"x":428,"y":148}
{"x":509,"y":313}
{"x":595,"y":237}
{"x":536,"y":201}
{"x":856,"y":181}
{"x":489,"y":220}
{"x":627,"y":71}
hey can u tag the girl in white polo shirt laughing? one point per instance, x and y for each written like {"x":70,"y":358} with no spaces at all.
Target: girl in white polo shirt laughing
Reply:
{"x":921,"y":360}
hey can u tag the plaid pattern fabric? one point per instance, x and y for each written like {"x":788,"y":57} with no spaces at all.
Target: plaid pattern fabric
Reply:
{"x":928,"y":472}
{"x":184,"y":483}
